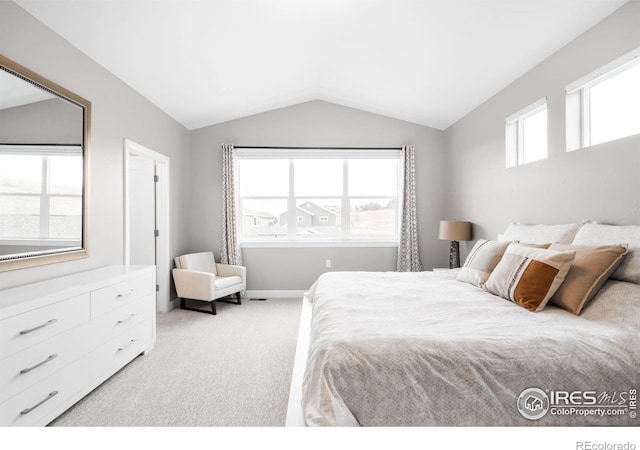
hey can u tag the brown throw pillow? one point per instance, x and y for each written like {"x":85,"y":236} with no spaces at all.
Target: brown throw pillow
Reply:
{"x":592,"y":266}
{"x":529,"y":276}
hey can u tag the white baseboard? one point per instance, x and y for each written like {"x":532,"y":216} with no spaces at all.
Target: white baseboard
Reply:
{"x":274,"y":294}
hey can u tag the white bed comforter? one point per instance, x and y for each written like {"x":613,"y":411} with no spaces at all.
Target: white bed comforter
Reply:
{"x":422,"y":349}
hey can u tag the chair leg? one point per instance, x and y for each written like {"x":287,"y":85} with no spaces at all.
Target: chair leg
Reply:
{"x":183,"y":305}
{"x":229,"y":299}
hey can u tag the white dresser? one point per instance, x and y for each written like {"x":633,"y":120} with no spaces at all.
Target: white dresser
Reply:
{"x":61,"y":338}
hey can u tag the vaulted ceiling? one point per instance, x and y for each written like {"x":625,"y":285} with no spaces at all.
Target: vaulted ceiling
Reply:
{"x":428,"y":62}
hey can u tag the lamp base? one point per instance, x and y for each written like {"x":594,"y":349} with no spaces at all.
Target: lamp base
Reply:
{"x":454,"y":255}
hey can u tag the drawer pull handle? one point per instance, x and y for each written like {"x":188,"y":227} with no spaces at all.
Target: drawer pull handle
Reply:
{"x":49,"y":397}
{"x":46,"y":324}
{"x":127,"y":345}
{"x":129,"y":292}
{"x":131,"y":316}
{"x":29,"y":369}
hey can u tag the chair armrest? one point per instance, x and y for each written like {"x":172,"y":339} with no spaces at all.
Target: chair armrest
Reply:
{"x":229,"y":270}
{"x":194,"y":285}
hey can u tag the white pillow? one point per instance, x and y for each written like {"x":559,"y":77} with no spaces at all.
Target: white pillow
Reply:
{"x":540,"y":234}
{"x":602,"y":234}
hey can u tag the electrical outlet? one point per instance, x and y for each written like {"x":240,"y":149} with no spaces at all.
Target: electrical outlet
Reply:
{"x":327,"y":263}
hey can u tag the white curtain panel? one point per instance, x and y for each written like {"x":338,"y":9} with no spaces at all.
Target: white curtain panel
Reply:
{"x":408,"y":254}
{"x":230,"y":252}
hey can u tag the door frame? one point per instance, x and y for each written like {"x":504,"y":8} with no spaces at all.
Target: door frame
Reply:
{"x":163,"y":257}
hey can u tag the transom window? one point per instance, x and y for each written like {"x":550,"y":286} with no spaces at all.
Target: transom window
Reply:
{"x":605,"y":105}
{"x":526,"y":134}
{"x":305,"y":196}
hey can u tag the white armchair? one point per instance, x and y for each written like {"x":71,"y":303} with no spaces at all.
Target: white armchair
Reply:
{"x":198,"y":277}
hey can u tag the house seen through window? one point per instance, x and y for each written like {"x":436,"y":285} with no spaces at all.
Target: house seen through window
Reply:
{"x":318,"y":195}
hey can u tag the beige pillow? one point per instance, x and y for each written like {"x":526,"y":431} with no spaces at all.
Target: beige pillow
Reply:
{"x":603,"y":234}
{"x":592,"y":266}
{"x":483,"y":258}
{"x":529,"y":276}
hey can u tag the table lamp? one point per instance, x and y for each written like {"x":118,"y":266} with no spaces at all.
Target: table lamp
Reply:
{"x":454,"y":231}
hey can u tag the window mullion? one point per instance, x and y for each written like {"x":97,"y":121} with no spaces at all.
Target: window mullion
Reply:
{"x":44,"y":199}
{"x":345,"y":206}
{"x":291,"y":204}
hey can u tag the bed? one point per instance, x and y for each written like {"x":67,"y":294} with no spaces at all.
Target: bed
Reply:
{"x":425,"y":349}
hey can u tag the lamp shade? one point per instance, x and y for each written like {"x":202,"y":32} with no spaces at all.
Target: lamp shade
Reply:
{"x":454,"y":230}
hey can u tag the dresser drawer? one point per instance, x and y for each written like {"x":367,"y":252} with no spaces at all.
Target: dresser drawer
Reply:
{"x":120,"y":350}
{"x":25,"y":330}
{"x":116,"y":295}
{"x":37,"y":403}
{"x":21,"y":370}
{"x":114,"y":322}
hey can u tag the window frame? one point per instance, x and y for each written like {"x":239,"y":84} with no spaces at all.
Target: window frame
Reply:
{"x":291,"y":155}
{"x":514,"y":133}
{"x":578,"y":104}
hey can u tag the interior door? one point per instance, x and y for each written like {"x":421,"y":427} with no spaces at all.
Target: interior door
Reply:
{"x":142,"y":211}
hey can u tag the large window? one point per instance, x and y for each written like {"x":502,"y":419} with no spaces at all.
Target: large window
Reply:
{"x":526,"y":134}
{"x":605,"y":105}
{"x":41,"y":197}
{"x":306,"y":196}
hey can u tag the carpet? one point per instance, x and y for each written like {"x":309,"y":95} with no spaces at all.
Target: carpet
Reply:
{"x":232,"y":369}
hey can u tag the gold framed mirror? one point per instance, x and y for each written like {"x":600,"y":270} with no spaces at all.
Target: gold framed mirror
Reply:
{"x":44,"y":170}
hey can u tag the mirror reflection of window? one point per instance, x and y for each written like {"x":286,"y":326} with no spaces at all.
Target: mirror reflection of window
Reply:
{"x":41,"y":194}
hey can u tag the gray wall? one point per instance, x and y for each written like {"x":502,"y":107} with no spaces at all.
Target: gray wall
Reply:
{"x":319,"y":124}
{"x":53,"y":121}
{"x":118,"y":113}
{"x":599,"y":183}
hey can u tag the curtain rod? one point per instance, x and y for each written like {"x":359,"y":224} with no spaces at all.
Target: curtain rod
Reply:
{"x":317,"y":148}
